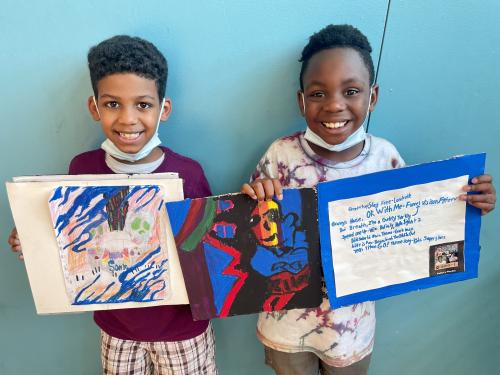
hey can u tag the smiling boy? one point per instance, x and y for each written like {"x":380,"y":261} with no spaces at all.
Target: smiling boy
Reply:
{"x":129,"y":76}
{"x":337,"y":91}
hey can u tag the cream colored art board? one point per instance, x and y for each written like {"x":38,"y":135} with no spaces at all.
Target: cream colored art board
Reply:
{"x":28,"y":198}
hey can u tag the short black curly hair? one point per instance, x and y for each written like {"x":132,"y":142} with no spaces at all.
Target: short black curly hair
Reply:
{"x":338,"y":36}
{"x":127,"y":54}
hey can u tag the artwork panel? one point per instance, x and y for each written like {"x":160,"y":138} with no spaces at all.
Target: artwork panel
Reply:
{"x":112,"y":243}
{"x":383,"y":233}
{"x":32,"y":217}
{"x":259,"y":256}
{"x":391,"y":246}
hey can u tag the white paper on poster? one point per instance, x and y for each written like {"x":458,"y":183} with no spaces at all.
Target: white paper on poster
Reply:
{"x":383,"y":239}
{"x":30,"y":210}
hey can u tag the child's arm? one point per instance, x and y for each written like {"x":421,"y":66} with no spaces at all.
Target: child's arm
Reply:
{"x":264,"y":188}
{"x":15,"y":244}
{"x":485,"y":197}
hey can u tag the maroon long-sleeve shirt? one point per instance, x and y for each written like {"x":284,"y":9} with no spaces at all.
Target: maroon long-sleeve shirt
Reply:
{"x":159,"y":323}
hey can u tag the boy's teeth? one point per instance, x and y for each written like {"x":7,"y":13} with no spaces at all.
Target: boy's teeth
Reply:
{"x":129,"y":135}
{"x":334,"y":125}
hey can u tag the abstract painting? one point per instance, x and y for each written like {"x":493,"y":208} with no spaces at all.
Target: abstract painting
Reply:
{"x":110,"y":242}
{"x":240,"y":256}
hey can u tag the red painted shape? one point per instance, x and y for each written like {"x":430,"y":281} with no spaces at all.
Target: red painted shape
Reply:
{"x":230,"y":270}
{"x":287,"y":282}
{"x":283,"y":287}
{"x":281,"y":302}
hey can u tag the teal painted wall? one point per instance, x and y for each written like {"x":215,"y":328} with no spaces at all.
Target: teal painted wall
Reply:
{"x":233,"y":77}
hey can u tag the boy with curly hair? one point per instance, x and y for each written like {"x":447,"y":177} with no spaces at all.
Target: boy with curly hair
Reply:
{"x":129,"y":76}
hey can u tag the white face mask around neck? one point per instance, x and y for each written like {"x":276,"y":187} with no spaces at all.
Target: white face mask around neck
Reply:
{"x":358,"y":136}
{"x":115,"y":152}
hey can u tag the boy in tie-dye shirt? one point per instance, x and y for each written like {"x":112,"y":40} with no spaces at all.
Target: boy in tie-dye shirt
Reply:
{"x":337,"y":91}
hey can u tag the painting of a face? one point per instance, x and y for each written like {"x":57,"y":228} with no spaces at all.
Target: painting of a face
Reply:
{"x":241,"y":256}
{"x":265,"y":219}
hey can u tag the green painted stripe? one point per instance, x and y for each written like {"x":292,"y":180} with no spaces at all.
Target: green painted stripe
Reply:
{"x":206,"y":223}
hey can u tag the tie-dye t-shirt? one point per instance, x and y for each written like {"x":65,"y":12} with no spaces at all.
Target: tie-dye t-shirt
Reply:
{"x":342,"y":336}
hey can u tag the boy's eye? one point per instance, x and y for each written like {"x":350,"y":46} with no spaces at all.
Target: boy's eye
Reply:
{"x":317,"y":94}
{"x":351,"y":92}
{"x":112,"y":104}
{"x":144,"y":105}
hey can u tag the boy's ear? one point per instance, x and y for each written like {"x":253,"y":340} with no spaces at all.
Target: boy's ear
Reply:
{"x":374,"y":98}
{"x":92,"y":109}
{"x":301,"y":102}
{"x":167,"y":109}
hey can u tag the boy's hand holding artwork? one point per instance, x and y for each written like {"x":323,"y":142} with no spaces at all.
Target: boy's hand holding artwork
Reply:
{"x":15,"y":244}
{"x":483,"y":193}
{"x":263,"y":189}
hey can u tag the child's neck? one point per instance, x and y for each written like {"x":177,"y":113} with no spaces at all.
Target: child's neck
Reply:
{"x":338,"y":156}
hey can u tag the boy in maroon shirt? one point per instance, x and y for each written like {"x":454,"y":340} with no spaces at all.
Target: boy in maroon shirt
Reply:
{"x":128,"y":78}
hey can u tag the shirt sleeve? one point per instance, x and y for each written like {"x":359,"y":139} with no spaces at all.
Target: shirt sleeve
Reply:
{"x":202,"y":188}
{"x":196,"y":184}
{"x":398,"y":160}
{"x":73,"y":166}
{"x":391,"y":155}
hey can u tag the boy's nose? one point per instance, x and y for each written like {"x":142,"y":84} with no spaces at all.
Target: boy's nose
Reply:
{"x":128,"y":116}
{"x":335,"y":103}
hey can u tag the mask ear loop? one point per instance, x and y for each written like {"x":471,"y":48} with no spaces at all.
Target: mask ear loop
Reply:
{"x":368,"y":113}
{"x":303,"y":102}
{"x":96,"y":107}
{"x":369,"y":101}
{"x":161,"y":113}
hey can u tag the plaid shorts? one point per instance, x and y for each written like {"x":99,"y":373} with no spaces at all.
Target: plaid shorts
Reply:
{"x":194,"y":356}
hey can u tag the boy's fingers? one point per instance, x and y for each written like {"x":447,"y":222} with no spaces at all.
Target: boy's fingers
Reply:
{"x":482,"y":178}
{"x":263,"y":189}
{"x":268,"y":189}
{"x":13,"y":241}
{"x":478,"y":198}
{"x":248,"y":190}
{"x":485,"y":187}
{"x":278,"y":190}
{"x":259,"y":190}
{"x":484,"y":207}
{"x":481,"y":198}
{"x":16,"y":248}
{"x":485,"y":202}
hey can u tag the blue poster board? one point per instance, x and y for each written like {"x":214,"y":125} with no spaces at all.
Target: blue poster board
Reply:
{"x":448,"y":260}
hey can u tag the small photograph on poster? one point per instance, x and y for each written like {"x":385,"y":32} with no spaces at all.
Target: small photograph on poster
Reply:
{"x":446,"y":258}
